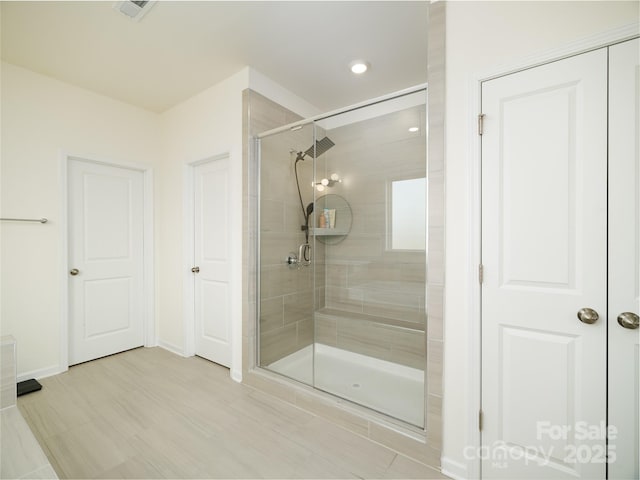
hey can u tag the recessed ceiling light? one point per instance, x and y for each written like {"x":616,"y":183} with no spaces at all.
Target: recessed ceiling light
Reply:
{"x":359,"y":66}
{"x":414,"y":129}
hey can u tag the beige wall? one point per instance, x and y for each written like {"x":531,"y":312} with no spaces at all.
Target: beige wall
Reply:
{"x":41,"y":118}
{"x":481,"y":36}
{"x":206,"y":125}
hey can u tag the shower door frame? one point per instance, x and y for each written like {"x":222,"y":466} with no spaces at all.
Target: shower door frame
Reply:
{"x":255,"y":142}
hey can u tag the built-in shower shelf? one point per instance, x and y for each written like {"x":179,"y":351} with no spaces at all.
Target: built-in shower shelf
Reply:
{"x":323,"y":232}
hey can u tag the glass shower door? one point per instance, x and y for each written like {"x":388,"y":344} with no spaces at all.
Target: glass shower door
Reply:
{"x":342,"y":255}
{"x":370,"y":345}
{"x":286,"y":257}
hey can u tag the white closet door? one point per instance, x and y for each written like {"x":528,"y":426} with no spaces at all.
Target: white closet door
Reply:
{"x":624,"y":257}
{"x":544,"y":251}
{"x":106,"y":260}
{"x":212,"y":258}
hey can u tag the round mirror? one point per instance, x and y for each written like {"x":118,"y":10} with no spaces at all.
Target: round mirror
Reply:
{"x":332,"y":217}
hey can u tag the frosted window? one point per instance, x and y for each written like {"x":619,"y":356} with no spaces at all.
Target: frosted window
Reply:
{"x":408,"y":214}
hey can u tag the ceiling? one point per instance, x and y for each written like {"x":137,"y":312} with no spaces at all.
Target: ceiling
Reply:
{"x":181,"y":48}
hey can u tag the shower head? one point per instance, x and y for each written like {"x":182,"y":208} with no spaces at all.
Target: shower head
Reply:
{"x":321,"y":147}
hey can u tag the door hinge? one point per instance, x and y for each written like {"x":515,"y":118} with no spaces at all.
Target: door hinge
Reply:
{"x":480,"y":273}
{"x":480,"y":419}
{"x":480,"y":123}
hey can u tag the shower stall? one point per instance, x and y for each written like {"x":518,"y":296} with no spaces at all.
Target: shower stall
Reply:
{"x":342,"y":255}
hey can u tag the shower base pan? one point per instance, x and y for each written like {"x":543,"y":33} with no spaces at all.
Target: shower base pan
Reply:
{"x":389,"y":388}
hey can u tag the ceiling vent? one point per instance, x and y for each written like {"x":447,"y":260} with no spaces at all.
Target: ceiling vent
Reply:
{"x":134,"y":9}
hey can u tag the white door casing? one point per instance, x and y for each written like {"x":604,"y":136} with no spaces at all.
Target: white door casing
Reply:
{"x":212,"y":253}
{"x":544,"y":246}
{"x":106,"y":247}
{"x":624,"y":257}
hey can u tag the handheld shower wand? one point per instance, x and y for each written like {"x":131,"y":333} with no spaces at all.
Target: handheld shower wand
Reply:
{"x":314,"y":151}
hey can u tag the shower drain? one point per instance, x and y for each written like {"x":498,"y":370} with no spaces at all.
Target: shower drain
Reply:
{"x":356,"y":385}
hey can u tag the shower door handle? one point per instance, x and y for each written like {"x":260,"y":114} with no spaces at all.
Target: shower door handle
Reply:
{"x":304,"y":255}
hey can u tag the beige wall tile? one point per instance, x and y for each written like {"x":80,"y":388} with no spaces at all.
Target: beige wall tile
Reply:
{"x":435,"y":320}
{"x":412,"y":447}
{"x":434,"y":421}
{"x":336,"y":275}
{"x":346,"y":299}
{"x":326,"y":330}
{"x":277,"y":343}
{"x":408,"y":347}
{"x":281,"y":389}
{"x":435,"y":260}
{"x":347,"y":420}
{"x":271,"y":314}
{"x":404,"y":467}
{"x":320,"y":297}
{"x":436,"y":201}
{"x":434,"y":367}
{"x":305,"y":333}
{"x":361,"y":336}
{"x":298,"y":306}
{"x":393,"y":305}
{"x":275,"y":247}
{"x":272,"y":215}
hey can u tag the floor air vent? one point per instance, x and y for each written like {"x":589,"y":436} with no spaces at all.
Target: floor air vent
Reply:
{"x":134,"y":9}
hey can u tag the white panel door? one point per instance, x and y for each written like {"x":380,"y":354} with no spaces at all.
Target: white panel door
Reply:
{"x":211,"y":236}
{"x":624,"y":257}
{"x":105,"y":260}
{"x":544,"y":251}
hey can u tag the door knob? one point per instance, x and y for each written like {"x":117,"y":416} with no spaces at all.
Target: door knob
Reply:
{"x":588,"y":315}
{"x":195,"y":269}
{"x":629,"y":320}
{"x":74,"y":271}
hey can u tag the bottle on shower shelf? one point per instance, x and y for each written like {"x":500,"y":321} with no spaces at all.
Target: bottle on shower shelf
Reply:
{"x":332,"y":218}
{"x":322,"y":221}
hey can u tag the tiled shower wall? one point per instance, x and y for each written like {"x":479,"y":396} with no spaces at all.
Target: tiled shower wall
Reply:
{"x":374,"y":296}
{"x":363,"y":273}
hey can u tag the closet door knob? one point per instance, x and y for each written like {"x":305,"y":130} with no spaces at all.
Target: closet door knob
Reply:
{"x":74,"y":271}
{"x":195,"y":269}
{"x":588,"y":315}
{"x":629,"y":320}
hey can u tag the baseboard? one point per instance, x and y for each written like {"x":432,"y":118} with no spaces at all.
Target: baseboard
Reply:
{"x":453,"y":469}
{"x":171,"y":348}
{"x":40,"y":373}
{"x":236,"y":375}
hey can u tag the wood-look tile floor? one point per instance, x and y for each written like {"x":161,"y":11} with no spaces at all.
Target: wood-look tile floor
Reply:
{"x":148,"y":413}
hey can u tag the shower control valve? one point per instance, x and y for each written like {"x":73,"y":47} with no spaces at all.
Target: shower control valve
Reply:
{"x":292,"y":260}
